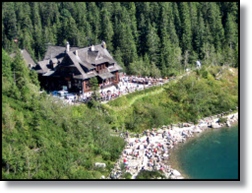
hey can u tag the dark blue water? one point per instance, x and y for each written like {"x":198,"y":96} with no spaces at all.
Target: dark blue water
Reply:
{"x":212,"y":155}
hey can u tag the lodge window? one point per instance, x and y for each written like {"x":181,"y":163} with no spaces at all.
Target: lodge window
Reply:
{"x":88,"y":85}
{"x":99,"y":68}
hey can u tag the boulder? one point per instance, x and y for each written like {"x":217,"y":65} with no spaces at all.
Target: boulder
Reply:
{"x":100,"y":165}
{"x":176,"y":173}
{"x":228,"y":124}
{"x":167,"y":175}
{"x":215,"y":125}
{"x":172,"y":177}
{"x":197,"y":130}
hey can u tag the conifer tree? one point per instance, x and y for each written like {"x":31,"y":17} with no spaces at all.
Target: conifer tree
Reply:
{"x":199,"y":35}
{"x":37,"y":30}
{"x":142,"y":28}
{"x":133,"y":21}
{"x":186,"y":28}
{"x":231,"y":32}
{"x":107,"y":28}
{"x":177,"y":20}
{"x":95,"y":21}
{"x":153,"y":44}
{"x":9,"y":22}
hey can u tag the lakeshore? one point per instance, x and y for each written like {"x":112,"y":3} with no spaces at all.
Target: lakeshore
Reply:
{"x":151,"y":150}
{"x":212,"y":155}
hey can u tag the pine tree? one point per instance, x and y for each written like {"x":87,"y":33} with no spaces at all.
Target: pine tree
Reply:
{"x":165,"y":41}
{"x":199,"y":35}
{"x":153,"y":44}
{"x":142,"y":28}
{"x":133,"y":20}
{"x":214,"y":20}
{"x":169,"y":41}
{"x":177,"y":20}
{"x":155,"y":12}
{"x":107,"y":28}
{"x":118,"y":57}
{"x":84,"y":28}
{"x":124,"y":39}
{"x":173,"y":24}
{"x":68,"y":29}
{"x":186,"y":36}
{"x":95,"y":21}
{"x":9,"y":22}
{"x":37,"y":30}
{"x":6,"y":66}
{"x":25,"y":36}
{"x":231,"y":32}
{"x":194,"y":21}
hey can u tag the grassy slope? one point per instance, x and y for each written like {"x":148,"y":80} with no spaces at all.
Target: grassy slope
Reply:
{"x":42,"y":139}
{"x":200,"y":93}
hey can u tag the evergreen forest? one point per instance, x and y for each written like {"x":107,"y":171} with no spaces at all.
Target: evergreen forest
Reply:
{"x":43,"y":138}
{"x":146,"y":38}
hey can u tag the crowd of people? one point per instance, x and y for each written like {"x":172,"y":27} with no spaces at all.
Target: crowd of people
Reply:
{"x":127,"y":84}
{"x":148,"y":152}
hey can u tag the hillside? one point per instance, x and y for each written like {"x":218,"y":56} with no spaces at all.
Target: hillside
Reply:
{"x":42,"y":138}
{"x":200,"y":93}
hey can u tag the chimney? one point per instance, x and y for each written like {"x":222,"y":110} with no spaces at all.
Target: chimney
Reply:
{"x":104,"y":44}
{"x":92,"y":48}
{"x":76,"y":52}
{"x":67,"y":47}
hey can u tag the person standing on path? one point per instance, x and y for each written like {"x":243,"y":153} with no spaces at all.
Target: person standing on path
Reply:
{"x":148,"y":140}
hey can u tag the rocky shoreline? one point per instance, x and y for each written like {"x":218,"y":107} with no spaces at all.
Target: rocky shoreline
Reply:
{"x":150,"y":150}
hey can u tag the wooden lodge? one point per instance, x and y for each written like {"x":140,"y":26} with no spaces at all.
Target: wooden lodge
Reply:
{"x":74,"y":67}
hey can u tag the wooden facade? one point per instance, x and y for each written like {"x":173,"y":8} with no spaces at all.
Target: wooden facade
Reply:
{"x":102,"y":83}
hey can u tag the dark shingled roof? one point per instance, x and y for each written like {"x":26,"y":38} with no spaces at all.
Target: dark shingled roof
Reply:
{"x":84,"y":59}
{"x":91,"y":74}
{"x":57,"y":52}
{"x":105,"y":75}
{"x":114,"y":68}
{"x":76,"y":63}
{"x":42,"y":66}
{"x":27,"y":58}
{"x":54,"y":60}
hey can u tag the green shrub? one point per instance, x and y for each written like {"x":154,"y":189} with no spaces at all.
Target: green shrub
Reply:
{"x":145,"y":174}
{"x":106,"y":155}
{"x":88,"y":164}
{"x":127,"y":175}
{"x":205,"y":74}
{"x":222,"y":120}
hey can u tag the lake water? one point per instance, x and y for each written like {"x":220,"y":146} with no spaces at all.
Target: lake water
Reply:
{"x":214,"y":155}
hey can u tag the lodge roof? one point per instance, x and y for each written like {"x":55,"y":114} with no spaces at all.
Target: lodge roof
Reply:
{"x":84,"y":59}
{"x":43,"y":66}
{"x":106,"y":75}
{"x":27,"y":58}
{"x":57,"y":52}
